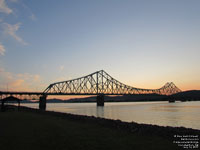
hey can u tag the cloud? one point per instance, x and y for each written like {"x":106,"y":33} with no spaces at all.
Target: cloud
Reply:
{"x":27,"y":76}
{"x":31,"y":14}
{"x":14,"y":1}
{"x":11,"y":31}
{"x":2,"y":49}
{"x":61,"y":68}
{"x":20,"y":82}
{"x":17,"y":83}
{"x":5,"y":75}
{"x":36,"y":78}
{"x":33,"y":17}
{"x":4,"y":8}
{"x":61,"y":78}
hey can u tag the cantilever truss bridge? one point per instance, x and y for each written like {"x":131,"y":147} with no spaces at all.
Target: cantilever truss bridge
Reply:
{"x":101,"y":83}
{"x":98,"y":83}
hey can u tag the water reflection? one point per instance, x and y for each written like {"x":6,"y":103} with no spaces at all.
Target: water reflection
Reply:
{"x":100,"y":111}
{"x":161,"y":113}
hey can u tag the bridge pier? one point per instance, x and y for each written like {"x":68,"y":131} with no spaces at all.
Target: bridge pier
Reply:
{"x":100,"y":100}
{"x":42,"y":102}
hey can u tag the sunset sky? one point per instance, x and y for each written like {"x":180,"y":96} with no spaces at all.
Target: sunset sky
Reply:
{"x":142,"y":43}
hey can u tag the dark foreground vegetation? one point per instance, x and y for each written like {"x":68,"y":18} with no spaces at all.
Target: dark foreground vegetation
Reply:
{"x":31,"y":129}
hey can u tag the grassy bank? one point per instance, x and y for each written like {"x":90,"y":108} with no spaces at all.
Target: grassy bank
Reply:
{"x":31,"y":130}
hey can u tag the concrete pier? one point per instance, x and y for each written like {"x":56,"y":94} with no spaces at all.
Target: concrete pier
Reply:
{"x":42,"y":102}
{"x":100,"y":100}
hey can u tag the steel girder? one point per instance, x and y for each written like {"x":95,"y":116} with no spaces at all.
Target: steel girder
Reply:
{"x":101,"y":82}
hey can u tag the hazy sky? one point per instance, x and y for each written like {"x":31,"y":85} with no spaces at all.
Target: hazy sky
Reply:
{"x":142,"y":43}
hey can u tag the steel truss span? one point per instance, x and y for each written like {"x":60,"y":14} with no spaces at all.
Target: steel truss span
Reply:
{"x":101,"y":82}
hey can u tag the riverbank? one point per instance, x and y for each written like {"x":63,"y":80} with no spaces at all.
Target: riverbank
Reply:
{"x":33,"y":129}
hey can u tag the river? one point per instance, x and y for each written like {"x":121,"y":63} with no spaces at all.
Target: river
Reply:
{"x":185,"y":114}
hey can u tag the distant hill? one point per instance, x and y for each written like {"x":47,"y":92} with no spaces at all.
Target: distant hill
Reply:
{"x":48,"y":101}
{"x":80,"y":100}
{"x":137,"y":97}
{"x":28,"y":101}
{"x":123,"y":98}
{"x":55,"y":101}
{"x":187,"y":95}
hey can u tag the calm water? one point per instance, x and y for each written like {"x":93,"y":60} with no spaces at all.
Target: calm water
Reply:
{"x":186,"y":114}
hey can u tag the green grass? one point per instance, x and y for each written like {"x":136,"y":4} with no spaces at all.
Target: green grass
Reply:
{"x":34,"y":131}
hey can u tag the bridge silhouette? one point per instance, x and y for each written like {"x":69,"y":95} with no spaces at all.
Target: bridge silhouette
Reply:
{"x":101,"y":82}
{"x":98,"y":83}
